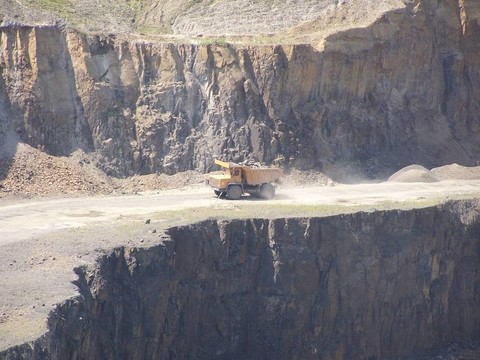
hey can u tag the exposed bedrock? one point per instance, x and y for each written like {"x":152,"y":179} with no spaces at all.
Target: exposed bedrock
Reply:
{"x":382,"y":285}
{"x":400,"y":91}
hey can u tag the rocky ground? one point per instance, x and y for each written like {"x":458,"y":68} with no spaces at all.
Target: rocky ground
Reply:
{"x":31,"y":173}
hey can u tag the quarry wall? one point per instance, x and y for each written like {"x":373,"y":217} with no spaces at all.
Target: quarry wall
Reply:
{"x":375,"y":99}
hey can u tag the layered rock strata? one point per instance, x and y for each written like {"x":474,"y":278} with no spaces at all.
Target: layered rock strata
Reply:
{"x":400,"y":91}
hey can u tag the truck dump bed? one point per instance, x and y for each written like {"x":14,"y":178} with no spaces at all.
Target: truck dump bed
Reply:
{"x":261,"y":175}
{"x":253,"y":176}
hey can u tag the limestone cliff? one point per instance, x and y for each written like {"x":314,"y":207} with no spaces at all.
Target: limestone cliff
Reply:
{"x":382,"y":285}
{"x":400,"y":91}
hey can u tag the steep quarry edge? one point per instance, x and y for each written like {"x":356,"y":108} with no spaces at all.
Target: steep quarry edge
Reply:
{"x":387,"y":284}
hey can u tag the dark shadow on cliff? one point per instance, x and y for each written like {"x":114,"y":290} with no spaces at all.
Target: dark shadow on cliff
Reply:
{"x":8,"y":139}
{"x":58,"y":122}
{"x":8,"y":148}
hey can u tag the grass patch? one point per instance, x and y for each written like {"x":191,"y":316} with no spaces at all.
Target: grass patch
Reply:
{"x":134,"y":231}
{"x":192,"y":3}
{"x":228,"y":210}
{"x":129,"y":227}
{"x":152,"y":30}
{"x":267,"y":211}
{"x":60,"y":7}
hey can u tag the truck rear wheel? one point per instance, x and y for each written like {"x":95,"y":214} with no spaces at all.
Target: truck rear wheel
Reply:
{"x":267,"y":191}
{"x":234,"y":192}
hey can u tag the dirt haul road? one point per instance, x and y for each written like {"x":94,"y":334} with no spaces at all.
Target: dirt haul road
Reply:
{"x":41,"y":242}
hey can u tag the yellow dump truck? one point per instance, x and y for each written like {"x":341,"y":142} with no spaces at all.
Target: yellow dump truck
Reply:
{"x":236,"y":180}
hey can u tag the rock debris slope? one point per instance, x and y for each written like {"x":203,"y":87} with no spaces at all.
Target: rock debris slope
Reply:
{"x":375,"y":99}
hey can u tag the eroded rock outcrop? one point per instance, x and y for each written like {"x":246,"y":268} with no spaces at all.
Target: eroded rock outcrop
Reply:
{"x":400,"y":91}
{"x":385,"y":285}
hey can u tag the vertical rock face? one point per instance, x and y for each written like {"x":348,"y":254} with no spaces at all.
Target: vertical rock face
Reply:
{"x":400,"y":91}
{"x":38,"y":90}
{"x":385,"y":285}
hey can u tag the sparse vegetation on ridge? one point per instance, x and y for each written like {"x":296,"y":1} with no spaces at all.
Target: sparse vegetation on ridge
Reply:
{"x":258,"y":22}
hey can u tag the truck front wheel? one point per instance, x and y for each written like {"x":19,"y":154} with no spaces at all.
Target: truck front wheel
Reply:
{"x":267,"y":191}
{"x":220,"y":194}
{"x":234,"y":192}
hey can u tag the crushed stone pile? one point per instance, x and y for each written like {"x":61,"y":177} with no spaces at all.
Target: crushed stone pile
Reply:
{"x":457,"y":172}
{"x":413,"y":173}
{"x":32,"y":173}
{"x":418,"y":173}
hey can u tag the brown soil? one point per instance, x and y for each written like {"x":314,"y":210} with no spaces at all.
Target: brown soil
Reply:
{"x":31,"y":173}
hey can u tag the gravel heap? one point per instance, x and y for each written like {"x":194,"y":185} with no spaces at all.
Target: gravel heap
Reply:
{"x":456,"y":172}
{"x":33,"y":173}
{"x":413,"y":173}
{"x":418,"y":173}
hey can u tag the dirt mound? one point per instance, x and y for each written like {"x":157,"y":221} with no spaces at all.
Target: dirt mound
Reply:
{"x":413,"y":173}
{"x":31,"y":172}
{"x":456,"y":172}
